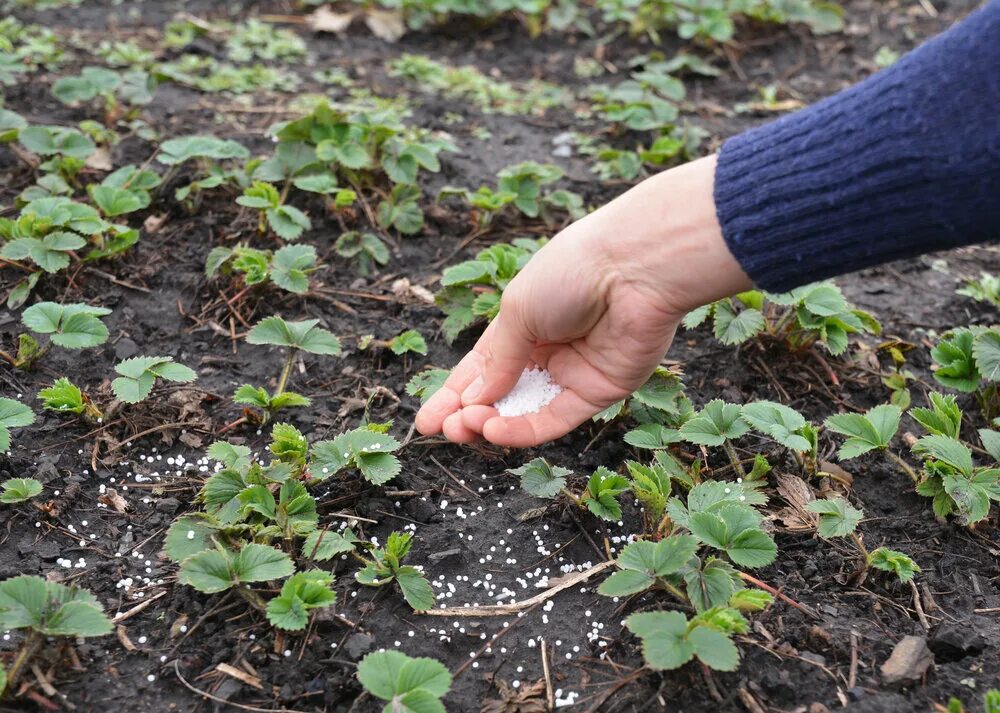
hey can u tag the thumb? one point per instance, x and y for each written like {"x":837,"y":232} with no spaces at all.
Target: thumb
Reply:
{"x":506,"y":346}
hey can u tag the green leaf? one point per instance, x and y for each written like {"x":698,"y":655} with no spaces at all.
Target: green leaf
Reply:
{"x":625,"y":583}
{"x":956,"y":364}
{"x":288,"y":222}
{"x":289,"y":266}
{"x":50,"y":608}
{"x":63,"y":396}
{"x":893,"y":562}
{"x":184,"y":148}
{"x":19,"y":490}
{"x":712,"y":584}
{"x":946,"y":450}
{"x":715,"y":424}
{"x":409,"y":341}
{"x":230,"y":455}
{"x":189,"y":535}
{"x":117,"y":201}
{"x":208,"y":572}
{"x":425,"y":384}
{"x":986,"y":350}
{"x":73,"y":326}
{"x":540,"y":479}
{"x":323,"y":545}
{"x":944,"y":418}
{"x":714,"y":649}
{"x":665,"y":644}
{"x":752,"y":548}
{"x":777,"y":421}
{"x":13,"y":414}
{"x":837,"y":517}
{"x":873,"y":430}
{"x":416,"y":589}
{"x":304,"y":335}
{"x":78,"y":618}
{"x":409,"y":684}
{"x":260,"y":563}
{"x":733,"y":328}
{"x":991,"y":442}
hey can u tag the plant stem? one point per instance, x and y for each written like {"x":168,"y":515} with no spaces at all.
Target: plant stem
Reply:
{"x":860,"y":545}
{"x":28,"y":650}
{"x":283,"y":381}
{"x":576,"y":501}
{"x":904,"y":465}
{"x":252,"y":598}
{"x":681,"y":596}
{"x":734,"y":458}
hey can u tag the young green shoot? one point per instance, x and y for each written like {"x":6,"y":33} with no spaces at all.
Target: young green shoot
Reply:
{"x":66,"y":397}
{"x":600,"y":495}
{"x":386,"y":566}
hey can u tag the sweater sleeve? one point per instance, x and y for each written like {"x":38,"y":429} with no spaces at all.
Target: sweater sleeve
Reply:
{"x":906,"y":162}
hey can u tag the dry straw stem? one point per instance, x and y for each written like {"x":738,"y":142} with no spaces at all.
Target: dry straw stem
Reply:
{"x":503,"y":609}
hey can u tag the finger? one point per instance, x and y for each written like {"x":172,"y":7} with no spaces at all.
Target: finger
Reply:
{"x":506,"y":347}
{"x":447,"y":400}
{"x":475,"y":417}
{"x":567,"y":411}
{"x":456,"y":432}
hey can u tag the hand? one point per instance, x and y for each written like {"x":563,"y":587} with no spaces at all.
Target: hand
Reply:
{"x":597,"y":306}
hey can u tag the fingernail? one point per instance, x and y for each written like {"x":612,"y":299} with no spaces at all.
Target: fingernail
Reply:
{"x":472,"y":390}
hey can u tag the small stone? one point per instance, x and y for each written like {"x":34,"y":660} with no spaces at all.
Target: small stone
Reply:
{"x":908,"y":661}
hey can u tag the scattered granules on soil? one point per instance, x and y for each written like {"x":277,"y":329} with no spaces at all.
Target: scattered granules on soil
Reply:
{"x":532,"y":391}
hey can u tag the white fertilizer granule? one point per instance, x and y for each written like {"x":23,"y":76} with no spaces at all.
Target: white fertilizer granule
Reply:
{"x":532,"y":391}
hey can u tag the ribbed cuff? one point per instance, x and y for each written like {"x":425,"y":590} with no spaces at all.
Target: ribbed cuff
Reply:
{"x":906,"y":162}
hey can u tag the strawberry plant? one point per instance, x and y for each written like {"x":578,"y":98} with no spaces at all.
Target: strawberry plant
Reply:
{"x":206,"y":151}
{"x":472,"y":289}
{"x":871,"y":431}
{"x":13,"y":414}
{"x":660,"y":407}
{"x":410,"y":341}
{"x":956,"y":485}
{"x":365,"y":250}
{"x":670,"y":639}
{"x":838,"y":518}
{"x":287,"y":222}
{"x":296,"y":337}
{"x":19,"y":490}
{"x":405,"y":683}
{"x":718,"y":424}
{"x":486,"y":202}
{"x":985,"y":289}
{"x":288,"y":267}
{"x":66,"y":397}
{"x":646,"y":101}
{"x":599,"y":495}
{"x":786,"y":426}
{"x":386,"y":566}
{"x":138,"y":375}
{"x":808,"y":315}
{"x":46,"y":609}
{"x":132,"y":88}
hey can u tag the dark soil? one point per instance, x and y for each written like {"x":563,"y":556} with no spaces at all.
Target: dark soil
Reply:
{"x":163,"y":305}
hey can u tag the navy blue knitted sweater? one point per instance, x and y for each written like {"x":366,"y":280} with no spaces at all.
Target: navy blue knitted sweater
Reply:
{"x":906,"y":162}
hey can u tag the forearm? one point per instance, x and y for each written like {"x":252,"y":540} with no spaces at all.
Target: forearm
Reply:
{"x":904,"y":163}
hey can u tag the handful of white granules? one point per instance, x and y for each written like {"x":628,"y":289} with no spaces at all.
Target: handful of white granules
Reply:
{"x":532,"y":391}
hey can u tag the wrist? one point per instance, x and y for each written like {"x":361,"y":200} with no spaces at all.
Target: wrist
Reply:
{"x":671,"y":243}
